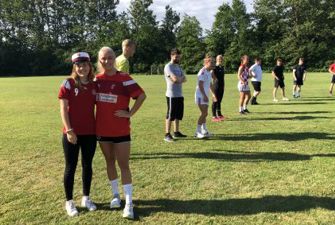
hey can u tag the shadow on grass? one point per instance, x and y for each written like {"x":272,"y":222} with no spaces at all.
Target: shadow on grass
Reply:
{"x":245,"y":118}
{"x":237,"y":156}
{"x":296,"y":113}
{"x":297,"y":103}
{"x":234,"y":207}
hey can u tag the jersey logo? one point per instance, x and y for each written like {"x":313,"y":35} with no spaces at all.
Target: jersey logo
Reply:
{"x":109,"y":98}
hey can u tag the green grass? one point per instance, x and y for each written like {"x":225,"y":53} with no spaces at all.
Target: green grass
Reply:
{"x":274,"y":166}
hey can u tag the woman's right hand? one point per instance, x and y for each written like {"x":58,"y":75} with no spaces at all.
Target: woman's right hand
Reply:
{"x":72,"y":137}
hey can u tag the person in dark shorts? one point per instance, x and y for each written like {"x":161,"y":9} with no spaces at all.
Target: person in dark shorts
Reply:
{"x":278,"y":74}
{"x":299,"y":76}
{"x":256,"y":80}
{"x":174,"y":77}
{"x":332,"y":71}
{"x":218,"y":86}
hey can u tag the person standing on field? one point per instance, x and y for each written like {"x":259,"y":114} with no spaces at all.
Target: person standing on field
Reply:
{"x":77,"y":103}
{"x":256,"y":80}
{"x":218,"y":88}
{"x":174,"y":77}
{"x":243,"y":85}
{"x":278,"y":75}
{"x":122,"y":61}
{"x":332,"y":82}
{"x":299,"y":76}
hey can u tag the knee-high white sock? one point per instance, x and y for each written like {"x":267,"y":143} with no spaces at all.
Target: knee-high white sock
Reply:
{"x":199,"y":128}
{"x":114,"y":186}
{"x":128,"y":193}
{"x":203,"y":126}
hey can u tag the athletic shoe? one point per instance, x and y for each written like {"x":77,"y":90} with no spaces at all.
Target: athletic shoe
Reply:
{"x":275,"y":100}
{"x":246,"y":111}
{"x":255,"y":103}
{"x":216,"y":119}
{"x":87,"y":202}
{"x":208,"y":134}
{"x":242,"y":113}
{"x":199,"y":135}
{"x":71,"y":208}
{"x":294,"y":96}
{"x":221,"y":117}
{"x":128,"y":212}
{"x":168,"y":138}
{"x":116,"y":202}
{"x":178,"y":134}
{"x":285,"y":99}
{"x":330,"y":93}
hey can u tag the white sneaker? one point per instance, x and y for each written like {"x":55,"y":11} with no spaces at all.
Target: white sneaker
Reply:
{"x":87,"y":202}
{"x":128,"y":212}
{"x":275,"y":100}
{"x":286,"y":99}
{"x":71,"y":208}
{"x":199,"y":135}
{"x":116,"y":202}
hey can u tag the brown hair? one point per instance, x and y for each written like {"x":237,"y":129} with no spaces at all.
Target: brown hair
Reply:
{"x":75,"y":76}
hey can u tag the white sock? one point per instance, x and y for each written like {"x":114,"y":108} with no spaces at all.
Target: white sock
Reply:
{"x":115,"y":187}
{"x":199,"y":128}
{"x":203,"y":126}
{"x":241,"y":108}
{"x":244,"y":107}
{"x":128,"y":193}
{"x":85,"y":198}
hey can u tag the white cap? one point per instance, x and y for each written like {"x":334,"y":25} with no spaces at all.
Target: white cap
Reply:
{"x":80,"y":57}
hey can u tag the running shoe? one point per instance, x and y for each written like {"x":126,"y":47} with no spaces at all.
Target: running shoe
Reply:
{"x":199,"y":135}
{"x":71,"y":208}
{"x":116,"y":202}
{"x":246,"y":111}
{"x":168,"y":138}
{"x":216,"y":119}
{"x":285,"y":99}
{"x":128,"y":212}
{"x":242,"y":113}
{"x":221,"y":117}
{"x":87,"y":202}
{"x":275,"y":100}
{"x":178,"y":134}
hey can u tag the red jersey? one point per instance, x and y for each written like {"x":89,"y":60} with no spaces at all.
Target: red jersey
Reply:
{"x":113,"y":94}
{"x":332,"y":68}
{"x":81,"y":106}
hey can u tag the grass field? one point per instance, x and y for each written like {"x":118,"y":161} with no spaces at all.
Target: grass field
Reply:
{"x":274,"y":166}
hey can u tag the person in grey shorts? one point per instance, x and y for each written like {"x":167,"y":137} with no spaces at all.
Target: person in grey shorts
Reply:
{"x":174,"y":77}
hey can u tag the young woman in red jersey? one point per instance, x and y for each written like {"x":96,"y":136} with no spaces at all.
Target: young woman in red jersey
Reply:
{"x":77,"y":102}
{"x":114,"y":90}
{"x":243,"y":86}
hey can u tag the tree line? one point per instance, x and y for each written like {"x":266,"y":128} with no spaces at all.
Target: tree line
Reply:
{"x":37,"y":37}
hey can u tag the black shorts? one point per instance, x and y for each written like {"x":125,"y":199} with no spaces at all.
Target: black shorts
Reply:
{"x":257,"y":85}
{"x":175,"y":108}
{"x":279,"y":83}
{"x":115,"y":140}
{"x":299,"y":82}
{"x":333,"y":79}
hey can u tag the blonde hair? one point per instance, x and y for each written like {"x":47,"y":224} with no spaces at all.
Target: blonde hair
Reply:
{"x":75,"y":76}
{"x":102,"y":51}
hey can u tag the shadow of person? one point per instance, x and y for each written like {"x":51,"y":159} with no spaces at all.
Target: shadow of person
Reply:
{"x":235,"y":207}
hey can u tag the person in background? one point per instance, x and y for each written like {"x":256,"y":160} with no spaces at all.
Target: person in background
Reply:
{"x":299,"y":76}
{"x":332,"y":82}
{"x":218,"y":88}
{"x":256,"y":80}
{"x":278,"y":75}
{"x":243,"y":85}
{"x":174,"y":77}
{"x":122,"y":61}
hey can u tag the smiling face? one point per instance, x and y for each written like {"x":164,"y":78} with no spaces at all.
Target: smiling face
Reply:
{"x":209,"y":63}
{"x":107,"y":59}
{"x":82,"y":69}
{"x":219,"y":60}
{"x":175,"y":58}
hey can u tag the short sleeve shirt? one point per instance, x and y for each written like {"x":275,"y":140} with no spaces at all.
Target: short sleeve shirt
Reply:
{"x":299,"y":71}
{"x":205,"y":76}
{"x":122,"y":64}
{"x":173,"y":89}
{"x":332,"y":68}
{"x":113,"y":94}
{"x":279,"y":71}
{"x":81,"y":103}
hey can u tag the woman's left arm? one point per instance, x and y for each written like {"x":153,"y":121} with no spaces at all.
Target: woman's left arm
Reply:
{"x":137,"y":105}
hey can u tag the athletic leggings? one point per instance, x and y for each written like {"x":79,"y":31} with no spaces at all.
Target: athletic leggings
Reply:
{"x":216,"y":106}
{"x":87,"y":144}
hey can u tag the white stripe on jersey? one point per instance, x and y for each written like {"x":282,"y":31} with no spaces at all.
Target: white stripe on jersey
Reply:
{"x":129,"y":82}
{"x":66,"y":84}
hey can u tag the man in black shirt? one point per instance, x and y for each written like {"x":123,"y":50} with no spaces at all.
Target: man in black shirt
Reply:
{"x":278,"y":74}
{"x":218,"y":85}
{"x":299,"y":76}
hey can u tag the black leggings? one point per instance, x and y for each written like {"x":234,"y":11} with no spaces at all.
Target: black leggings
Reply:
{"x":88,"y":144}
{"x":216,"y":106}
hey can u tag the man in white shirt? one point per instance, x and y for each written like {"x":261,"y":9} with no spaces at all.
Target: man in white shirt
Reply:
{"x":256,"y":80}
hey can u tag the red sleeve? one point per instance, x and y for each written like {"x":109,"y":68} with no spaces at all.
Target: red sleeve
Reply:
{"x":133,"y":89}
{"x":332,"y":67}
{"x":64,"y":92}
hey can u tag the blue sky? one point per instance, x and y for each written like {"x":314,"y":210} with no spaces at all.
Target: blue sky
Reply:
{"x":204,"y":10}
